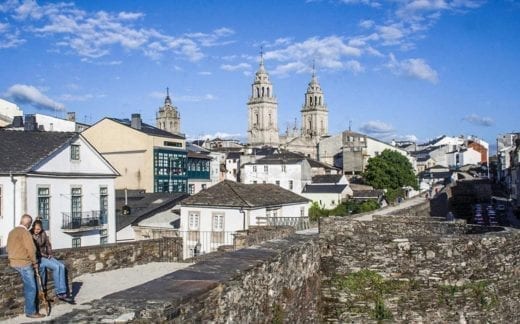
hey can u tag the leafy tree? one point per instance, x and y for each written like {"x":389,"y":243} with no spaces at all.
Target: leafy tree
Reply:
{"x":390,"y":170}
{"x":316,"y":211}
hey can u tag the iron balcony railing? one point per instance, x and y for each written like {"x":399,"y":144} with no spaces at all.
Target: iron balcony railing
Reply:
{"x":84,"y":220}
{"x":299,"y":223}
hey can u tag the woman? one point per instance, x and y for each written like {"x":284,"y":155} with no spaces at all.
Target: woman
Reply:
{"x":47,"y":261}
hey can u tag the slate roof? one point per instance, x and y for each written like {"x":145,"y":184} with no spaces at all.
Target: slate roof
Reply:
{"x":196,"y":155}
{"x":147,"y":129}
{"x":287,"y":157}
{"x":324,"y":188}
{"x":21,"y":150}
{"x":233,"y":194}
{"x":233,"y":156}
{"x":376,"y":193}
{"x":327,"y":178}
{"x":143,"y":205}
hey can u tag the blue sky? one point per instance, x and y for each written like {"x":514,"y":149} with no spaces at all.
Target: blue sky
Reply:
{"x":396,"y":69}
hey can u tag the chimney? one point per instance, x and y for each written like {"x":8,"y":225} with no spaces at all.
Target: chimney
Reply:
{"x":71,"y":116}
{"x":30,"y":123}
{"x":136,"y":121}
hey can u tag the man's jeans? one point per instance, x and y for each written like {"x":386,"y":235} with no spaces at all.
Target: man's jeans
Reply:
{"x":58,"y":274}
{"x":29,"y":288}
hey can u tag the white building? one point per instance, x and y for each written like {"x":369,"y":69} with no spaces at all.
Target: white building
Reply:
{"x":233,"y":166}
{"x":217,"y":167}
{"x":209,"y":218}
{"x":461,"y":157}
{"x":328,"y":190}
{"x":8,"y":111}
{"x":61,"y":179}
{"x":291,"y":172}
{"x":48,"y":123}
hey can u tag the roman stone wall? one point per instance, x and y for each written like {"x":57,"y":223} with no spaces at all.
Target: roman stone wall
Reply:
{"x":88,"y":260}
{"x":275,"y":282}
{"x":409,"y":269}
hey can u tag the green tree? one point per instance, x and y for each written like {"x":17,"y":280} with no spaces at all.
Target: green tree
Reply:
{"x":390,"y":170}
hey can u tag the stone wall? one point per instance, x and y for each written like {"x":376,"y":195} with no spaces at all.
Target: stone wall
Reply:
{"x":88,"y":260}
{"x":416,"y":269}
{"x":275,"y":282}
{"x":258,"y":234}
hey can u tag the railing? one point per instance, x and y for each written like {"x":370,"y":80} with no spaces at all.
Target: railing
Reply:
{"x":83,"y":220}
{"x":197,"y":243}
{"x":299,"y":223}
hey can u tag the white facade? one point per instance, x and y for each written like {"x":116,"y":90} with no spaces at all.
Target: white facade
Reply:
{"x":232,"y":169}
{"x":52,"y":182}
{"x":463,"y":157}
{"x":292,"y":176}
{"x":196,"y":185}
{"x":8,"y":111}
{"x":328,"y":200}
{"x":214,"y":226}
{"x":215,"y":173}
{"x":53,"y":124}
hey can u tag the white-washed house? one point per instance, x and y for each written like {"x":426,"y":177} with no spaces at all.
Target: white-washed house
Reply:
{"x":210,"y":218}
{"x":328,"y":190}
{"x":61,"y":179}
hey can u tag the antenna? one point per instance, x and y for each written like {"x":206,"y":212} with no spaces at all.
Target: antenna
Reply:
{"x":261,"y":55}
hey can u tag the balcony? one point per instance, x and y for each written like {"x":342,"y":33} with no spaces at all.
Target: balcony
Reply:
{"x":84,"y":221}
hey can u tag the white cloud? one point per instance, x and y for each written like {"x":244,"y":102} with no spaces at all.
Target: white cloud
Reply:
{"x":222,"y":135}
{"x":415,"y":67}
{"x":354,"y":66}
{"x":182,"y":98}
{"x":331,"y":53}
{"x":204,"y":73}
{"x":27,"y":94}
{"x":370,"y":3}
{"x":367,"y":24}
{"x":377,"y":128}
{"x":94,"y":34}
{"x":235,"y":67}
{"x":80,"y":97}
{"x":479,"y":120}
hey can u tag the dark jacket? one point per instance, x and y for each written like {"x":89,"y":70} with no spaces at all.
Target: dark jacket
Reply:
{"x":43,"y":245}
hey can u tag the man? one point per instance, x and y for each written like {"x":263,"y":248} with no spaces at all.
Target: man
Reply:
{"x":22,"y":257}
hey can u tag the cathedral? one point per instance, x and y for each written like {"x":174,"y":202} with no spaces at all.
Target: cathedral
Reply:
{"x":168,"y":118}
{"x":263,"y":117}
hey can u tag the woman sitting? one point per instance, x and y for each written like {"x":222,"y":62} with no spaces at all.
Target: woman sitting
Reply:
{"x":47,"y":261}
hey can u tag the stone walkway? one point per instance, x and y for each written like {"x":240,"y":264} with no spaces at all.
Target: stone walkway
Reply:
{"x":392,"y":209}
{"x":94,"y":286}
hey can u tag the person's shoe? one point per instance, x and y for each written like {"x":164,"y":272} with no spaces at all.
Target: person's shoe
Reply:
{"x":35,"y":315}
{"x":65,"y":298}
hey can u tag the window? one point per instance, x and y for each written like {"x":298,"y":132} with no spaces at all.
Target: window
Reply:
{"x":278,"y":182}
{"x":103,"y":204}
{"x":254,"y":182}
{"x":191,"y":189}
{"x":174,"y":144}
{"x":75,"y":199}
{"x":1,"y":201}
{"x":332,"y":202}
{"x":264,"y":182}
{"x":254,"y":168}
{"x":44,"y":206}
{"x":302,"y":211}
{"x":284,"y":168}
{"x":266,"y":168}
{"x":74,"y":152}
{"x":203,"y":186}
{"x":76,"y":242}
{"x":290,"y":185}
{"x":193,"y":221}
{"x":218,"y":222}
{"x":103,"y":236}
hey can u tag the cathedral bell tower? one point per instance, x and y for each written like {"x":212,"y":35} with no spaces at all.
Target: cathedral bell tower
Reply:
{"x":168,"y":118}
{"x":315,"y":116}
{"x":263,"y":110}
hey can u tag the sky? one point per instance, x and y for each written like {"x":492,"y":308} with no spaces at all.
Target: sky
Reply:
{"x":396,"y":69}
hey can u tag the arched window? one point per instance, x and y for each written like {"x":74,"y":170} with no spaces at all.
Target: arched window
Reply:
{"x":258,"y":92}
{"x":315,"y":100}
{"x":268,"y":92}
{"x":320,"y":101}
{"x":257,"y":119}
{"x":310,"y":103}
{"x":270,"y":119}
{"x":171,"y":125}
{"x":310,"y":124}
{"x":263,"y":89}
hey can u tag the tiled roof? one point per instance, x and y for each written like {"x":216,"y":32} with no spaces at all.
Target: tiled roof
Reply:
{"x":233,"y":156}
{"x":147,"y":129}
{"x":327,"y":178}
{"x":21,"y":150}
{"x":324,"y":188}
{"x":376,"y":193}
{"x":233,"y":194}
{"x":143,"y":205}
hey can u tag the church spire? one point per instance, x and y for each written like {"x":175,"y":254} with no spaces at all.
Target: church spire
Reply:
{"x":167,"y":100}
{"x":261,"y":68}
